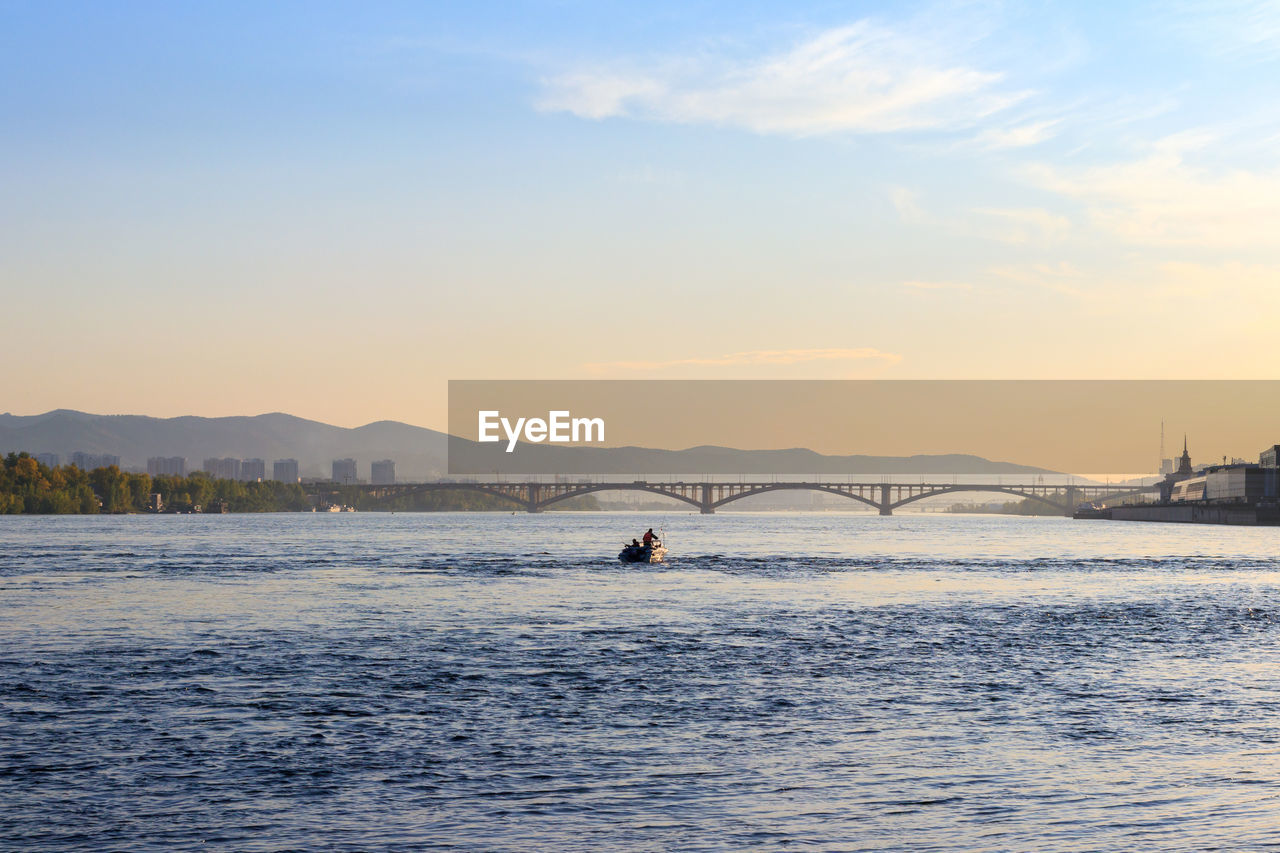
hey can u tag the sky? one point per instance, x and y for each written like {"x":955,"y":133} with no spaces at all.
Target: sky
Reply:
{"x":333,"y":209}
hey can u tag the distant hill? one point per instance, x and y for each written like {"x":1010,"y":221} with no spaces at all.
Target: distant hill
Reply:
{"x":421,"y":453}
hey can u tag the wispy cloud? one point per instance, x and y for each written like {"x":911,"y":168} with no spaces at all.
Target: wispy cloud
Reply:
{"x":907,"y":202}
{"x":1019,"y":136}
{"x":1016,"y":225}
{"x":1161,"y":292}
{"x":754,"y":358}
{"x":1245,"y":27}
{"x":1162,"y":199}
{"x":1062,"y":277}
{"x":936,"y":285}
{"x":862,"y":78}
{"x":1022,"y":225}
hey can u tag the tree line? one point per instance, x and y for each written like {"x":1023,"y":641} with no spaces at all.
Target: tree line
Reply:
{"x":28,"y":486}
{"x":1026,"y":506}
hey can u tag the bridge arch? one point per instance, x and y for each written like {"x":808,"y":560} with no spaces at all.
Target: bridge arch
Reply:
{"x":589,"y":488}
{"x":481,"y":488}
{"x":950,"y":490}
{"x":780,"y":487}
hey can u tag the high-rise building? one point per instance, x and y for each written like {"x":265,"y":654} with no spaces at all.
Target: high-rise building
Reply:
{"x":285,"y":470}
{"x":89,"y":461}
{"x":383,"y":473}
{"x":49,"y":460}
{"x":173,"y":466}
{"x":253,"y":470}
{"x":344,"y":471}
{"x":223,"y":469}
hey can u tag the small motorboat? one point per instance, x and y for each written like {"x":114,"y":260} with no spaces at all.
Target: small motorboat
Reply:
{"x":652,"y":553}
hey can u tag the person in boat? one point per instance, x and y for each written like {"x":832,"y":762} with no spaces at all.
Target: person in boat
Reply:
{"x":634,"y":543}
{"x":649,"y":537}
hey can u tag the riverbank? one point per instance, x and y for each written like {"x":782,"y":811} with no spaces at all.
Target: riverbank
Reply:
{"x":1243,"y":514}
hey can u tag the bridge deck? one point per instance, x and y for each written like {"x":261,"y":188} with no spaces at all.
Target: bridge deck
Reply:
{"x":708,"y":496}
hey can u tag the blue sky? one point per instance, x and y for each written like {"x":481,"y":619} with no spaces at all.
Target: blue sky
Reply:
{"x":332,"y":209}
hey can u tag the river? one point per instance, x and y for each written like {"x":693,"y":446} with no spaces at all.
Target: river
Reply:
{"x":499,"y":682}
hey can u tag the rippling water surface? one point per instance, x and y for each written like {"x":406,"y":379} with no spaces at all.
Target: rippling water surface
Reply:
{"x":498,"y":682}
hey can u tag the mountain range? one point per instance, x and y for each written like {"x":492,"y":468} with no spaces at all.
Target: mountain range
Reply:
{"x":418,"y":452}
{"x":421,"y":453}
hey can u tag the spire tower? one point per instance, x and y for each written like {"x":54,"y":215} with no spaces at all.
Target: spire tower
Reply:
{"x":1184,"y":464}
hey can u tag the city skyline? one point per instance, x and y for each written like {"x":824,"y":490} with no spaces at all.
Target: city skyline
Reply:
{"x":404,"y":194}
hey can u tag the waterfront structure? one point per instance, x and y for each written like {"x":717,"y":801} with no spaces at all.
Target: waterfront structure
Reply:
{"x":1235,"y":493}
{"x":173,"y":466}
{"x":285,"y":470}
{"x":344,"y":471}
{"x":253,"y":470}
{"x":89,"y":461}
{"x":383,"y":473}
{"x":223,"y":469}
{"x":49,"y":460}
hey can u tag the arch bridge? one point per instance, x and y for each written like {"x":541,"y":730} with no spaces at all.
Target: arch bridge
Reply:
{"x":707,"y":497}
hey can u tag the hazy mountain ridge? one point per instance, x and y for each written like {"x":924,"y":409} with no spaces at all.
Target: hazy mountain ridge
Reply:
{"x":421,"y":453}
{"x":714,"y":460}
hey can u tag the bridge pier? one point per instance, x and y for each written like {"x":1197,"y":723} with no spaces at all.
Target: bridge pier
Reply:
{"x":886,"y":505}
{"x":533,"y":504}
{"x":706,"y":506}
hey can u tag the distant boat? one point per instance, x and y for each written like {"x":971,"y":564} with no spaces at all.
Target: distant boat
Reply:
{"x":1091,"y":510}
